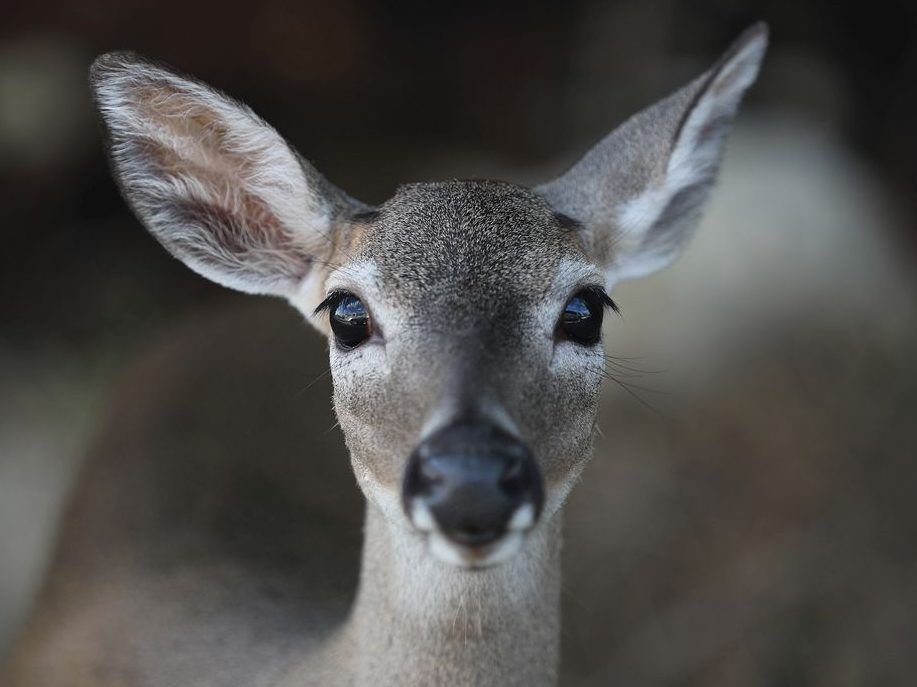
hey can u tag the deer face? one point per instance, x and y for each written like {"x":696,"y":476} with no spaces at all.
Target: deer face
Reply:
{"x":465,"y":324}
{"x":464,"y":317}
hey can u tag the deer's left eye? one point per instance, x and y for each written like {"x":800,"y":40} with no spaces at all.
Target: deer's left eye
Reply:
{"x":349,"y":321}
{"x":581,"y":321}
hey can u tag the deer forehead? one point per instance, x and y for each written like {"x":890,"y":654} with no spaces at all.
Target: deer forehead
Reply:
{"x":464,"y":245}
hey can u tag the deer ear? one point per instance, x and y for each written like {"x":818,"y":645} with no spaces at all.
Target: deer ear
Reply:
{"x":219,"y":188}
{"x":638,"y":193}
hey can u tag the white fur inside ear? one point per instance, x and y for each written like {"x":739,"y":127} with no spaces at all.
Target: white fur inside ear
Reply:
{"x":700,"y":139}
{"x":655,"y":224}
{"x":215,"y":184}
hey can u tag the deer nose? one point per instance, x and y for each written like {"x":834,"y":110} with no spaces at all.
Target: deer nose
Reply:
{"x":473,"y":482}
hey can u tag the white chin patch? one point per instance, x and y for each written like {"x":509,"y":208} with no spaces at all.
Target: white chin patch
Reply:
{"x":449,"y":552}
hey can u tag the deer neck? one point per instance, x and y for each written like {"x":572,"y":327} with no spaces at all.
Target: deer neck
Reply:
{"x":417,"y":621}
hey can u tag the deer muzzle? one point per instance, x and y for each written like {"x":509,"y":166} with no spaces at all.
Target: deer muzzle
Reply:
{"x":475,"y":489}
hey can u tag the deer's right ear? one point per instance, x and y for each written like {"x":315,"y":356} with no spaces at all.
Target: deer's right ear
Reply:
{"x":217,"y":186}
{"x":638,"y":194}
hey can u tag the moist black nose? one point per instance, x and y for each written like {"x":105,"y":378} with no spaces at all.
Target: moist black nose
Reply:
{"x":472,"y":478}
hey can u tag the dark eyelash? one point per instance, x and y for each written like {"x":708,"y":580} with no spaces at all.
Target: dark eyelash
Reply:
{"x":329,"y":302}
{"x":599,"y":293}
{"x":335,"y":296}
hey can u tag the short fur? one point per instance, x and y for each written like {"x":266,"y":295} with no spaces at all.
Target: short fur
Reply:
{"x":465,"y":282}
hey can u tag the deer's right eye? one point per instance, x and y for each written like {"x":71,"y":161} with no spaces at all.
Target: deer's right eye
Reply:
{"x":349,"y":321}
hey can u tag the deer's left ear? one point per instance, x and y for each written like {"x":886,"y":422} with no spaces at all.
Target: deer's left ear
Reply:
{"x":638,"y":193}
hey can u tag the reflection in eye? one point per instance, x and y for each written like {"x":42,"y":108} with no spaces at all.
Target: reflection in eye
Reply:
{"x":581,"y":321}
{"x":576,"y":310}
{"x":349,"y":319}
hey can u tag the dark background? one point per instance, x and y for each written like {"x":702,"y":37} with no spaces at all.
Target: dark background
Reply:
{"x":763,"y":532}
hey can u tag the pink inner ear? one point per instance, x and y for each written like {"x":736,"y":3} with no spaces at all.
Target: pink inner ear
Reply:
{"x":217,"y":186}
{"x":257,"y":243}
{"x":207,"y":186}
{"x":222,"y":218}
{"x":193,"y":138}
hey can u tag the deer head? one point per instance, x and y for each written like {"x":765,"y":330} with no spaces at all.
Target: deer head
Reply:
{"x":464,"y":317}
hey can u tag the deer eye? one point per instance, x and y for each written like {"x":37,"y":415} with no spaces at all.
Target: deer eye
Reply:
{"x":349,"y":320}
{"x":581,"y":321}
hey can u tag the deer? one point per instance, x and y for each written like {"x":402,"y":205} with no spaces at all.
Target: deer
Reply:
{"x":464,"y":323}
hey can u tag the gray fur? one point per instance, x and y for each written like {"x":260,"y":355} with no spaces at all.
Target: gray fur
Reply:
{"x":637,"y":160}
{"x":465,"y":282}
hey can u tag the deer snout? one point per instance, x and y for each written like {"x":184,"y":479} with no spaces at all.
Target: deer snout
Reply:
{"x":473,"y":487}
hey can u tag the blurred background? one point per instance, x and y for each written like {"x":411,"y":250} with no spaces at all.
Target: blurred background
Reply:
{"x":750,"y":517}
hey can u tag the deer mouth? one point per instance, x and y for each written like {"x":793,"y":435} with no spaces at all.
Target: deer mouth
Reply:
{"x":467,"y":548}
